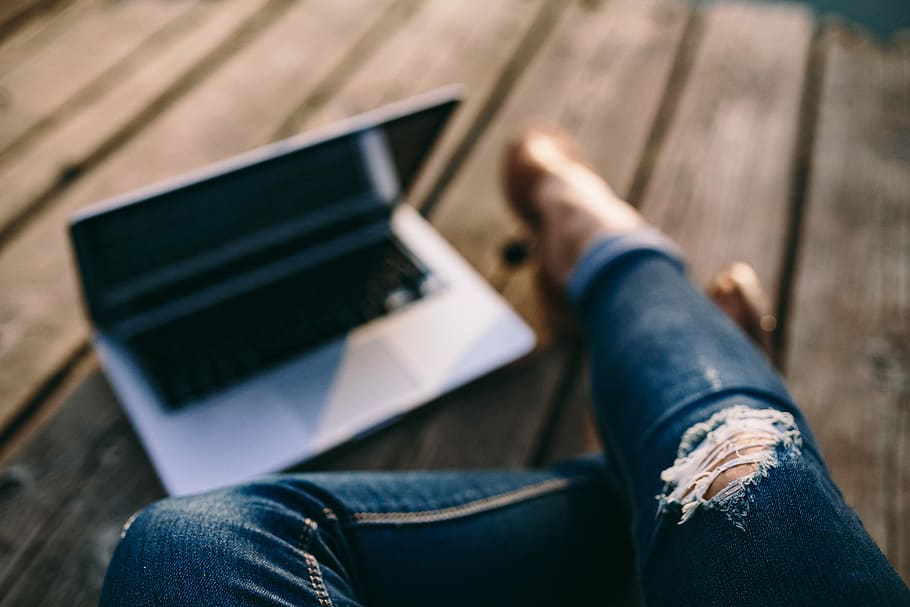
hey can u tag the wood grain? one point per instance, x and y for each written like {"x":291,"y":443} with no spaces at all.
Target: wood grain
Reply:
{"x":608,"y":102}
{"x":725,"y":168}
{"x":40,"y":319}
{"x":584,"y":65}
{"x":48,"y":161}
{"x":52,"y":80}
{"x":722,"y":179}
{"x":849,"y":345}
{"x":67,"y":565}
{"x":465,"y":429}
{"x":16,"y":12}
{"x":574,"y":432}
{"x":49,"y":472}
{"x":39,"y":31}
{"x":94,"y":401}
{"x":445,"y":43}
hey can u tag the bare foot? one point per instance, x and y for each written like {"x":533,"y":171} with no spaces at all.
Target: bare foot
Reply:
{"x":568,"y":206}
{"x":564,"y":202}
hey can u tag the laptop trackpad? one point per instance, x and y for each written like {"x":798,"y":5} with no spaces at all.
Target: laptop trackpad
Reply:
{"x":339,"y":387}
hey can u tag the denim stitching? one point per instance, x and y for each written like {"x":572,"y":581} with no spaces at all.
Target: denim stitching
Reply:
{"x":128,"y":524}
{"x":306,"y":534}
{"x":481,"y":505}
{"x":322,"y":593}
{"x":329,"y":514}
{"x":316,"y":581}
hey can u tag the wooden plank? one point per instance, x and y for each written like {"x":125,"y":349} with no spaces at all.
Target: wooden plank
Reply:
{"x":53,"y":79}
{"x":42,"y":320}
{"x":445,"y":43}
{"x":467,"y":430}
{"x":300,"y":55}
{"x":848,"y":350}
{"x":456,"y":47}
{"x":722,"y":181}
{"x":46,"y":474}
{"x":521,"y":383}
{"x":612,"y":118}
{"x":46,"y":162}
{"x":82,"y":536}
{"x":14,"y":12}
{"x":39,"y":31}
{"x":576,"y":82}
{"x":95,"y":401}
{"x":574,"y":431}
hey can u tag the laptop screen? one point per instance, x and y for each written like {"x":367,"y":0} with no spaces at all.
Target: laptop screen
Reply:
{"x":193,"y":234}
{"x":151,"y":247}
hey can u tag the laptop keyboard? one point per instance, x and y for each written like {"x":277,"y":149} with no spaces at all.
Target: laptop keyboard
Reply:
{"x":209,"y":350}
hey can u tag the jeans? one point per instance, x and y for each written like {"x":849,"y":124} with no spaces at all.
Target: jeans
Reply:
{"x":673,"y":382}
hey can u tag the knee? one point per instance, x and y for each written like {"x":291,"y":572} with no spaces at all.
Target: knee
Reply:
{"x":165,"y":549}
{"x":720,"y":458}
{"x":179,"y":549}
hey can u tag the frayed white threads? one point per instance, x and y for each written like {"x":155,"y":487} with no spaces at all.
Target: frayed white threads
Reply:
{"x":704,"y":448}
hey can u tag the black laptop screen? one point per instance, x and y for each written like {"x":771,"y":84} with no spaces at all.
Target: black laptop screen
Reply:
{"x":196,"y":229}
{"x":274,"y":207}
{"x":226,"y":211}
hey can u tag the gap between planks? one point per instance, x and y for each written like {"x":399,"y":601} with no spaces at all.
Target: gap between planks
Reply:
{"x":42,"y":172}
{"x":848,"y":359}
{"x":37,"y":97}
{"x":142,"y":462}
{"x":97,"y":186}
{"x":16,"y":14}
{"x":331,"y":13}
{"x":701,"y":93}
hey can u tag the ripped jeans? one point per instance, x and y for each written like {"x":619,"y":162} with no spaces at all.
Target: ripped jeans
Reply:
{"x":674,"y":383}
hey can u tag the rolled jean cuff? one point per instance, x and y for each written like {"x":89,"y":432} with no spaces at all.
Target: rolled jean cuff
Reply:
{"x":614,"y":250}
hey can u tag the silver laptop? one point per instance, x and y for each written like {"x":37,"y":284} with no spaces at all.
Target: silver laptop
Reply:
{"x":263,"y":310}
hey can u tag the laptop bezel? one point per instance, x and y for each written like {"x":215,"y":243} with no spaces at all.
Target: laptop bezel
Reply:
{"x":443,"y":98}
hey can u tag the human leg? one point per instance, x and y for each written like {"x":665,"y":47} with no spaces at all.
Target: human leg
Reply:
{"x":451,"y":538}
{"x":694,"y":415}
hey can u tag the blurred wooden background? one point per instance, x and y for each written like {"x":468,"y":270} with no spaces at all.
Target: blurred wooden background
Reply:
{"x":748,"y":132}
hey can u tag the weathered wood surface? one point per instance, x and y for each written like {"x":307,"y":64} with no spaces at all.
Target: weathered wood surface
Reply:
{"x":698,"y":119}
{"x":446,"y":435}
{"x":17,"y":15}
{"x":80,"y":62}
{"x":471,"y":207}
{"x":43,"y":323}
{"x":47,"y":162}
{"x":24,"y":576}
{"x":848,"y":359}
{"x":725,"y":160}
{"x":35,"y":33}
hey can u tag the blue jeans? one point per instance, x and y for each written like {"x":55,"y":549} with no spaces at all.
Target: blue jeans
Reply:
{"x":675,"y":384}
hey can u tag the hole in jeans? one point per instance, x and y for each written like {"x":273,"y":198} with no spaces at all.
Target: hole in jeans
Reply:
{"x":719,"y":458}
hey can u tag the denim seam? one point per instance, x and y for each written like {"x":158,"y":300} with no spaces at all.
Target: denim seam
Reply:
{"x":129,"y":523}
{"x":329,"y":514}
{"x":316,"y":581}
{"x":306,"y":534}
{"x":466,"y":509}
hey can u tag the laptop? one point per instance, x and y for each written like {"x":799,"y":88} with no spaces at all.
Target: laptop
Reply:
{"x":258,"y":312}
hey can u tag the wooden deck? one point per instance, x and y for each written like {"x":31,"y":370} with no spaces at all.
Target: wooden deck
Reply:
{"x":746,"y":131}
